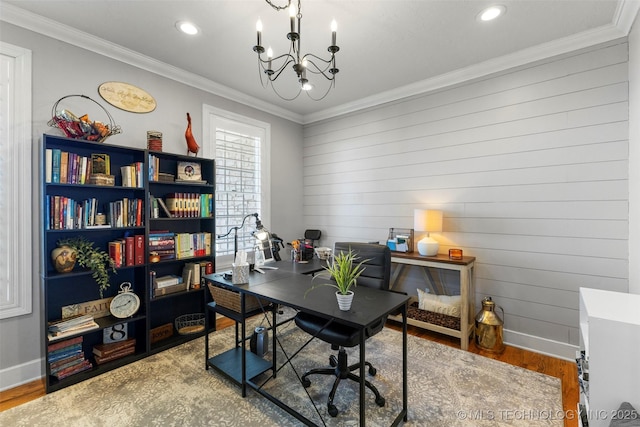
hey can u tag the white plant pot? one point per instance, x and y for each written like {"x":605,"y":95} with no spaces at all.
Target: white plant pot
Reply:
{"x":344,"y":301}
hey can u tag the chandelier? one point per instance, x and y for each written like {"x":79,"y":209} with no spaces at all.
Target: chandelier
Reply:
{"x":303,"y":65}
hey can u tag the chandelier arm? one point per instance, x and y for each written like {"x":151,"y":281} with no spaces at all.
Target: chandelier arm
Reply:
{"x":280,"y":70}
{"x":331,"y":85}
{"x":318,"y":71}
{"x":284,"y":97}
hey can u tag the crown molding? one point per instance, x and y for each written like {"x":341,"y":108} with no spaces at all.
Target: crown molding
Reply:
{"x":622,"y":22}
{"x":50,"y":28}
{"x":620,"y":26}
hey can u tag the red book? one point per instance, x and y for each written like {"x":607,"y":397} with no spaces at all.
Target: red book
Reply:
{"x":129,"y":250}
{"x":114,"y":253}
{"x":139,"y":249}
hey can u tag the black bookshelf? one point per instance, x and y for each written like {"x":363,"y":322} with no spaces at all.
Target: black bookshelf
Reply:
{"x":78,"y":287}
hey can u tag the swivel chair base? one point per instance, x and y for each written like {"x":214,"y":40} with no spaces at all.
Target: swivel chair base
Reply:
{"x":341,"y":371}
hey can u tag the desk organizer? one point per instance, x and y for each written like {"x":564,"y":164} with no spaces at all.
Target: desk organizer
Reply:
{"x":231,"y":300}
{"x":400,"y":240}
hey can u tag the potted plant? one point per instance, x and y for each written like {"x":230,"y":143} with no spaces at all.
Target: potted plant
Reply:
{"x":344,"y":270}
{"x":88,"y":256}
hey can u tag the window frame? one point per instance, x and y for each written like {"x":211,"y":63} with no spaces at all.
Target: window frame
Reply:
{"x":214,"y":118}
{"x":16,"y":288}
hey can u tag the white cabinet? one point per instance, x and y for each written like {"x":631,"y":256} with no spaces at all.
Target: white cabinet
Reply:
{"x":610,"y":339}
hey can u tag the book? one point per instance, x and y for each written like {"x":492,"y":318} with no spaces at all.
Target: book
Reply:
{"x":187,"y":273}
{"x":85,"y":365}
{"x":62,"y":344}
{"x":180,"y":287}
{"x":113,"y":356}
{"x":110,"y":348}
{"x":55,"y":168}
{"x":48,"y":165}
{"x":169,"y":280}
{"x":100,"y":163}
{"x":64,"y":166}
{"x":138,"y":251}
{"x":129,"y":251}
{"x":164,"y":208}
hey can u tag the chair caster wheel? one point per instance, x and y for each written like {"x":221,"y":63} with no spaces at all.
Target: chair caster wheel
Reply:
{"x":333,"y":411}
{"x":306,"y":383}
{"x":380,"y":401}
{"x":372,"y":371}
{"x":333,"y":361}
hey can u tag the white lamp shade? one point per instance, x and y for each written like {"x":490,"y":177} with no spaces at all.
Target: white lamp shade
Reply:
{"x":427,"y":220}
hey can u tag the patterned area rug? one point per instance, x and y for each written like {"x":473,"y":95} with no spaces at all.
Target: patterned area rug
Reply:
{"x":447,"y":387}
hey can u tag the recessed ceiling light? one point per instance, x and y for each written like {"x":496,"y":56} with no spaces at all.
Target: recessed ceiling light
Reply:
{"x":187,"y":27}
{"x":492,"y":12}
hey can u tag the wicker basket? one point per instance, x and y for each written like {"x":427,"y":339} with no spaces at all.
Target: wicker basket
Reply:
{"x":190,"y":323}
{"x":231,"y":300}
{"x":75,"y":128}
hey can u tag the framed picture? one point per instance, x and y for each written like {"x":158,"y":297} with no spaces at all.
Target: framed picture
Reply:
{"x":189,"y":171}
{"x":115,"y":333}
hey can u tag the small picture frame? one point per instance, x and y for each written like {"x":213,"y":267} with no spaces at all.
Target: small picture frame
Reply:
{"x":189,"y":171}
{"x":115,"y":333}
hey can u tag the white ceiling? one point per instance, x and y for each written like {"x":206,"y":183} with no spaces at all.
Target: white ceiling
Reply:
{"x":388,"y":48}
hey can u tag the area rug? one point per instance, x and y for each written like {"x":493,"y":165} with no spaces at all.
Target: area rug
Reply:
{"x":447,"y":387}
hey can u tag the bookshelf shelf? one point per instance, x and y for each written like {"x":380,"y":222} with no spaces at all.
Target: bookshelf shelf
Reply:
{"x":78,"y":290}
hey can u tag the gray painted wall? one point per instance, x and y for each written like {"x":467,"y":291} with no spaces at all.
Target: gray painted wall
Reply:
{"x":60,"y":69}
{"x":529,"y":166}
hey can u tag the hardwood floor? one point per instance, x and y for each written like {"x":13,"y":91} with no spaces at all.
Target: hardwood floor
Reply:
{"x":565,"y":370}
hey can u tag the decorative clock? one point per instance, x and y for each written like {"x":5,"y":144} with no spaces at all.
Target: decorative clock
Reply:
{"x":126,"y":303}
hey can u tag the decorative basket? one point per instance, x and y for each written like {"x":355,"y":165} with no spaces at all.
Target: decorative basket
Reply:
{"x":190,"y":323}
{"x":82,"y":128}
{"x":231,"y":300}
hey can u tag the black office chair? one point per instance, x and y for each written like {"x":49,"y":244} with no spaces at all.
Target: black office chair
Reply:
{"x":377,"y":274}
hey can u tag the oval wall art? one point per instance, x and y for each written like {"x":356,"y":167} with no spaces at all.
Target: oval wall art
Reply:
{"x":127,"y":97}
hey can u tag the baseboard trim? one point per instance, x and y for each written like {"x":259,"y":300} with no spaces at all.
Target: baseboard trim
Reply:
{"x":540,"y":345}
{"x":20,"y":374}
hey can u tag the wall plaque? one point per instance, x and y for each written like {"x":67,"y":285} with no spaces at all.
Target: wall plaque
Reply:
{"x":127,"y":97}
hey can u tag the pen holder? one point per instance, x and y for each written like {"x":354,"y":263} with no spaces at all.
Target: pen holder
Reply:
{"x":240,"y":274}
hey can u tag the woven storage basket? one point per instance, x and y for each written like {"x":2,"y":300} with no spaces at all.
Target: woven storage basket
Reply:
{"x":190,"y":323}
{"x":231,"y":300}
{"x":77,"y":129}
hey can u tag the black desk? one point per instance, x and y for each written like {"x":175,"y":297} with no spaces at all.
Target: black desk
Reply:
{"x":287,"y":288}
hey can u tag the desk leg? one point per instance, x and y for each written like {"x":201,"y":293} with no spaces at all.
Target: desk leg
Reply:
{"x":464,"y":309}
{"x":362,"y":378}
{"x":244,"y":355}
{"x":405,"y":385}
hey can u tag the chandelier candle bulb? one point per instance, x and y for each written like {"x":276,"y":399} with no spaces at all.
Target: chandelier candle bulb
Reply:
{"x":334,"y":28}
{"x":269,"y":57}
{"x":259,"y":31}
{"x":292,"y":16}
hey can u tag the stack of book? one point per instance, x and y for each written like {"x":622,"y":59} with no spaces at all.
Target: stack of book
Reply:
{"x":169,"y":284}
{"x":112,"y":351}
{"x":67,"y":358}
{"x":127,"y":251}
{"x":70,"y":326}
{"x":163,"y":244}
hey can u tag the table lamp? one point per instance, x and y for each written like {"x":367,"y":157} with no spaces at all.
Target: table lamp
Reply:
{"x":429,"y":221}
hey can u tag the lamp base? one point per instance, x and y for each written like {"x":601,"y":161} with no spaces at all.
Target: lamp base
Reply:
{"x":428,"y":247}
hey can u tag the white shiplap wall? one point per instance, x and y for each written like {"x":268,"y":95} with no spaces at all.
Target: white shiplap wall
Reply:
{"x":529,"y":166}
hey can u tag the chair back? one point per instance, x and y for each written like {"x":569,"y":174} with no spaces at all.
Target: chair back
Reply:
{"x":377,"y":272}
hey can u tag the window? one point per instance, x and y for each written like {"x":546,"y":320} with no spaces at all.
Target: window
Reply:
{"x":241,"y":149}
{"x":16,"y":245}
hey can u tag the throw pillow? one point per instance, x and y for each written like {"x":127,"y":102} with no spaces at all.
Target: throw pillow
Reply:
{"x":443,"y":304}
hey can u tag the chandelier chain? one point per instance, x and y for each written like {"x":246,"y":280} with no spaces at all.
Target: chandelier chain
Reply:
{"x":276,"y":7}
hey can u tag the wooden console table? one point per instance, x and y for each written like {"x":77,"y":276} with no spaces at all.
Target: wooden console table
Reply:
{"x":465,"y":267}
